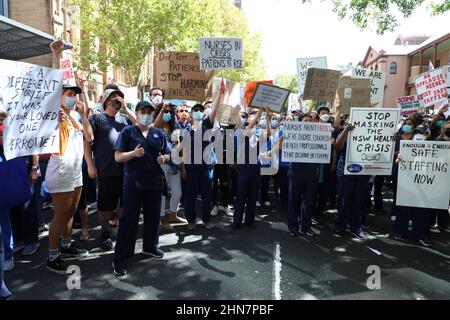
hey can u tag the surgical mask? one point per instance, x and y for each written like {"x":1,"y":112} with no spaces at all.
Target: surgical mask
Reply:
{"x":447,"y":132}
{"x":407,"y":128}
{"x":325,"y":117}
{"x":167,"y":117}
{"x":419,"y":137}
{"x":244,"y":122}
{"x":295,"y":118}
{"x":157,"y":100}
{"x":99,"y":107}
{"x":440,"y":123}
{"x":274,"y":123}
{"x":258,"y":132}
{"x":263,"y":124}
{"x":198,"y":115}
{"x":145,"y":119}
{"x":69,"y":102}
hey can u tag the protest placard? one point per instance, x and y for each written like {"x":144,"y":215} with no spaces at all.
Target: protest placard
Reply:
{"x":221,"y":53}
{"x":431,"y":87}
{"x":353,"y":93}
{"x":178,"y":73}
{"x":293,"y":102}
{"x":307,"y":142}
{"x":370,"y":145}
{"x":227,"y":94}
{"x":32,"y":98}
{"x":408,"y":105}
{"x":321,"y":84}
{"x":377,"y":81}
{"x":303,"y":64}
{"x":250,"y":88}
{"x":66,"y":64}
{"x":423,"y":175}
{"x":269,"y":96}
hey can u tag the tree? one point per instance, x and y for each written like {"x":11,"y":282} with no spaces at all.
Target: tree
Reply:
{"x":287,"y":81}
{"x":365,"y":13}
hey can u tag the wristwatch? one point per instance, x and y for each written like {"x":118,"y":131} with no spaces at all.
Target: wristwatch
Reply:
{"x":35,"y":167}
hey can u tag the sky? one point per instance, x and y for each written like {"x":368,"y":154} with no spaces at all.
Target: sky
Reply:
{"x":293,"y":30}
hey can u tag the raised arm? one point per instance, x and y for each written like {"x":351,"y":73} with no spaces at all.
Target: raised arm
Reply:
{"x":339,"y":145}
{"x":57,"y":47}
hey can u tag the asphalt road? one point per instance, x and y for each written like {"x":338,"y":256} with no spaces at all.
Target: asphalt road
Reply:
{"x":264,"y":263}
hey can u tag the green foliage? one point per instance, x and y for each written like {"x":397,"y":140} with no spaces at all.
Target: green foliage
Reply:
{"x":287,"y":81}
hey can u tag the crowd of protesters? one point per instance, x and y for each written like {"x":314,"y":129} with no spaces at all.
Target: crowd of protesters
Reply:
{"x":122,"y":159}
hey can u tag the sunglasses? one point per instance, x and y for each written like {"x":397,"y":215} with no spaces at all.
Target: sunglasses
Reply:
{"x":184,"y":110}
{"x":168,"y":111}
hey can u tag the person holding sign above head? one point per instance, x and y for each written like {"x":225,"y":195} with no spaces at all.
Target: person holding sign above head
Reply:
{"x":64,"y":172}
{"x":143,"y":149}
{"x":438,"y":121}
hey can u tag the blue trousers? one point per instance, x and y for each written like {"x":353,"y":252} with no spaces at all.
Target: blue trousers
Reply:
{"x":199,"y":180}
{"x":284,"y":187}
{"x":134,"y":200}
{"x":247,"y":187}
{"x":7,"y":234}
{"x":352,"y":197}
{"x":302,"y":195}
{"x":4,"y":292}
{"x":420,"y":222}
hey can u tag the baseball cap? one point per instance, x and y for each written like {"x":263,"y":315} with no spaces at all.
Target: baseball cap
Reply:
{"x":422,"y":129}
{"x":198,"y":106}
{"x":142,"y":104}
{"x":75,"y":88}
{"x":323,"y":108}
{"x":109,"y":92}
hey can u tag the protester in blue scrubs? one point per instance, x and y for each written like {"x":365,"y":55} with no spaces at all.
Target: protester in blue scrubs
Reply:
{"x":143,"y":149}
{"x":198,"y":165}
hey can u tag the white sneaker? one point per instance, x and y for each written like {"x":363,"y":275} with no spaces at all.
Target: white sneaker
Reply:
{"x":267,"y":204}
{"x":221,"y":209}
{"x":214,"y":211}
{"x":229,"y":212}
{"x":393,"y":218}
{"x":8,"y":265}
{"x":258,"y":205}
{"x":435,"y":229}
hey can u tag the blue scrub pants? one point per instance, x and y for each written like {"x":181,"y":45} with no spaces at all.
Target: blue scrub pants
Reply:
{"x":420,"y":222}
{"x":352,"y":197}
{"x":4,"y":292}
{"x":134,"y":200}
{"x":302,"y":196}
{"x":199,"y":180}
{"x":7,"y":234}
{"x":247,"y":187}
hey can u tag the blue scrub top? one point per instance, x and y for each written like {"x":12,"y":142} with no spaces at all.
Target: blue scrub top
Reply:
{"x":143,"y":173}
{"x":204,"y":126}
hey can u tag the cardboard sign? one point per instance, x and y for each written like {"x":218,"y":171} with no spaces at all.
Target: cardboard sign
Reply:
{"x":66,"y":64}
{"x":408,"y":105}
{"x":370,"y":146}
{"x":423,"y":174}
{"x":431,"y":87}
{"x":303,"y":64}
{"x":32,"y":98}
{"x":269,"y":96}
{"x":221,"y":53}
{"x":377,"y":81}
{"x":321,"y":84}
{"x":179,"y":75}
{"x":250,"y":88}
{"x":353,"y":93}
{"x":227,"y":94}
{"x":307,"y":142}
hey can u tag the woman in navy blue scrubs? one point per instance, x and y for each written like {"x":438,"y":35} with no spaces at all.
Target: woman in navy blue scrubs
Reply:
{"x":143,"y":149}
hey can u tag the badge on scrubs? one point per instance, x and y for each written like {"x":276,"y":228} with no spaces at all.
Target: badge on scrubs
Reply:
{"x":155,"y":135}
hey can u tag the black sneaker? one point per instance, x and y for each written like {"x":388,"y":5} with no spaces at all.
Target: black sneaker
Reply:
{"x":105,"y":241}
{"x":155,"y":253}
{"x":294,"y":233}
{"x":119,"y":269}
{"x":309,"y":233}
{"x":73,"y":251}
{"x":359,"y":235}
{"x":57,"y":266}
{"x":337,"y":234}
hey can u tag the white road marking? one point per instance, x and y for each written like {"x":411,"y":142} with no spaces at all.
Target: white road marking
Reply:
{"x":276,"y":285}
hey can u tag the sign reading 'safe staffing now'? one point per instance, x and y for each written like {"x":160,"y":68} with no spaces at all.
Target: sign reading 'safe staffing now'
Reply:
{"x":221,"y":53}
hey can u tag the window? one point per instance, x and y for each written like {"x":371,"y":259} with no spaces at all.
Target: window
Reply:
{"x":4,"y":8}
{"x":393,"y":68}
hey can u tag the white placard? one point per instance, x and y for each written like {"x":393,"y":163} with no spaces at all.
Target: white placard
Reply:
{"x":32,"y":98}
{"x":370,"y":145}
{"x":431,"y":87}
{"x":423,"y":175}
{"x":269,"y":96}
{"x":221,"y":53}
{"x":303,"y":64}
{"x":377,"y":81}
{"x":306,"y":142}
{"x":408,"y":105}
{"x":66,"y":64}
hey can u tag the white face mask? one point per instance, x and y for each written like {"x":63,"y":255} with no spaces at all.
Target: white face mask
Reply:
{"x":157,"y":100}
{"x":145,"y":119}
{"x":419,"y":137}
{"x":325,"y":117}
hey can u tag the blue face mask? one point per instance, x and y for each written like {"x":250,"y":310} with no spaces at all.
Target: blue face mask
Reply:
{"x":295,"y":118}
{"x":274,"y":123}
{"x":99,"y":107}
{"x":258,"y":132}
{"x":69,"y":102}
{"x":407,"y":128}
{"x":167,"y":117}
{"x":263,"y":124}
{"x":244,"y":122}
{"x":440,"y":123}
{"x":198,"y":115}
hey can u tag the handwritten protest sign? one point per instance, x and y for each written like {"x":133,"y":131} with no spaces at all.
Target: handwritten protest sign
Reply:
{"x":221,"y":53}
{"x":227,"y":94}
{"x":269,"y":96}
{"x":353,"y":93}
{"x":408,"y":105}
{"x":307,"y":142}
{"x":321,"y":84}
{"x":377,"y":81}
{"x":32,"y":98}
{"x":303,"y":64}
{"x":250,"y":88}
{"x":431,"y":87}
{"x":66,"y":64}
{"x":423,"y":174}
{"x":179,"y":75}
{"x":370,"y":146}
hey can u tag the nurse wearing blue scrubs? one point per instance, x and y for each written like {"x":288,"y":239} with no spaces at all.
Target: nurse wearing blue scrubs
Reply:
{"x":143,"y":149}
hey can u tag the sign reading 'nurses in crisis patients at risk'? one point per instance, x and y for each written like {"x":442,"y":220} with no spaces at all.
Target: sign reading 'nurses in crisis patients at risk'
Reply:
{"x":221,"y":53}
